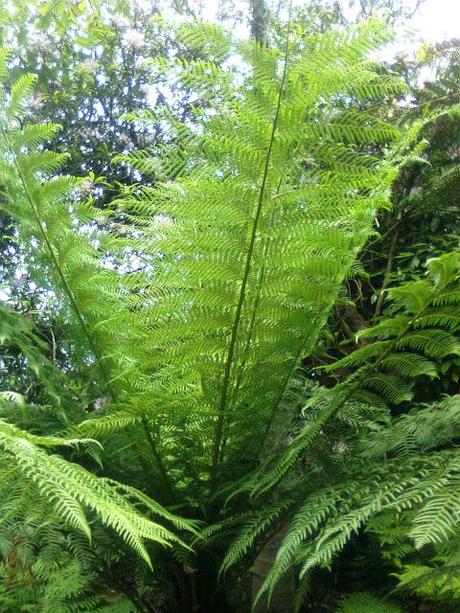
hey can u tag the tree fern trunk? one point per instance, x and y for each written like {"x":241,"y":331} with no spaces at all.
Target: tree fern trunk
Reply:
{"x":283,"y":598}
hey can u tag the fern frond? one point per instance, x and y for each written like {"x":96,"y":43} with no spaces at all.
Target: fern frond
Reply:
{"x":409,"y":365}
{"x":254,"y":527}
{"x":423,"y":428}
{"x":70,"y":489}
{"x":114,"y":421}
{"x":365,"y":602}
{"x":242,"y":297}
{"x":325,"y":523}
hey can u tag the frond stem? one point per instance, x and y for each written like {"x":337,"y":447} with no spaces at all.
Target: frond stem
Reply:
{"x":158,"y":460}
{"x":242,"y":294}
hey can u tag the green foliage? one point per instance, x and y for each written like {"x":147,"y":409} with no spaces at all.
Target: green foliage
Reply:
{"x":70,"y":490}
{"x":188,"y":310}
{"x":421,"y":332}
{"x":19,"y":342}
{"x":366,"y":603}
{"x":392,"y":468}
{"x":429,"y":573}
{"x":74,"y":497}
{"x":45,"y":570}
{"x":437,"y":582}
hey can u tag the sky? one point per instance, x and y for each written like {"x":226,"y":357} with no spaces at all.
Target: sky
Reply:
{"x":435,"y":21}
{"x":438,"y":20}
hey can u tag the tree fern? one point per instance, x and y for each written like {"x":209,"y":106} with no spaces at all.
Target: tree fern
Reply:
{"x":198,"y":295}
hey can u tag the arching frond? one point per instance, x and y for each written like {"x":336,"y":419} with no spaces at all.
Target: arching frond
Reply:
{"x":72,"y":491}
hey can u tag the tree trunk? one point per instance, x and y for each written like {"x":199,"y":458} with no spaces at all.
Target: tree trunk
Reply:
{"x":283,"y":598}
{"x":259,"y":21}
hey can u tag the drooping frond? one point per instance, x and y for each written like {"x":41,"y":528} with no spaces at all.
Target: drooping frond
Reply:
{"x":45,"y":566}
{"x":73,"y":492}
{"x":328,"y":518}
